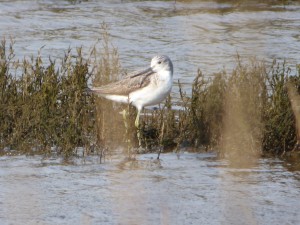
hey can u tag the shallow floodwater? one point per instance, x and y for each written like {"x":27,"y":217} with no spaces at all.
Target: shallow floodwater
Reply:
{"x":190,"y":189}
{"x":195,"y":34}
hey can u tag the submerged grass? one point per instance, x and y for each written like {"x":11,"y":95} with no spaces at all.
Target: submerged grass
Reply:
{"x":44,"y":108}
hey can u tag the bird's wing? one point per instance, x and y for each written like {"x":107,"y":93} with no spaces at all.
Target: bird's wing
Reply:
{"x":123,"y":87}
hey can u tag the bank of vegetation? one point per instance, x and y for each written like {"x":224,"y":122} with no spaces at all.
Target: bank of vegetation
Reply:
{"x":44,"y":108}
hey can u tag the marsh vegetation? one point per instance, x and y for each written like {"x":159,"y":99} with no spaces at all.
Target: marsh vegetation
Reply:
{"x":44,"y":108}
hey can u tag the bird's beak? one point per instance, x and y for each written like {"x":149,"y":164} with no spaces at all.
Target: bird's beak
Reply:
{"x":146,"y":72}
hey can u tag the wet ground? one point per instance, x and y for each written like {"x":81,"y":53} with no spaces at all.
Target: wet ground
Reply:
{"x":190,"y":189}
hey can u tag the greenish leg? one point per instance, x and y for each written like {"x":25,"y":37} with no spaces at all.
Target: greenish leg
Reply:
{"x":161,"y":139}
{"x":137,"y":120}
{"x":127,"y":132}
{"x":137,"y":125}
{"x":124,"y":113}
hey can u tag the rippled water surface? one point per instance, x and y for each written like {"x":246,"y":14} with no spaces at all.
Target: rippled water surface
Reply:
{"x":191,"y":189}
{"x":195,"y":34}
{"x":194,"y":189}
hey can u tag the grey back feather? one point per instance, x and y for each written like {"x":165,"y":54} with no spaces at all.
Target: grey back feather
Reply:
{"x":123,"y":86}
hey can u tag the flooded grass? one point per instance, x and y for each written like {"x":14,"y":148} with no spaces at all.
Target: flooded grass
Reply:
{"x":44,"y":108}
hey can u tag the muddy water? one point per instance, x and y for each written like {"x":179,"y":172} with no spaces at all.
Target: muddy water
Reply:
{"x":191,"y":189}
{"x":195,"y":189}
{"x":195,"y":34}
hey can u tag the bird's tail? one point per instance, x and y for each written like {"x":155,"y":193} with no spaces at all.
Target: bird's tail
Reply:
{"x":88,"y":90}
{"x":95,"y":90}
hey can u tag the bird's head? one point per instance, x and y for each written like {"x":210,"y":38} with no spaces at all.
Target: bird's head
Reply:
{"x":161,"y":63}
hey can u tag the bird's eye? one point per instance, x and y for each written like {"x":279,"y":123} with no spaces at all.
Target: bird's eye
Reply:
{"x":159,"y":62}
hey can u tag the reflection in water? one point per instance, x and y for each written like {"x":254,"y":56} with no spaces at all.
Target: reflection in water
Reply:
{"x":292,"y":163}
{"x":236,"y":184}
{"x":130,"y":196}
{"x":195,"y":189}
{"x":237,"y":199}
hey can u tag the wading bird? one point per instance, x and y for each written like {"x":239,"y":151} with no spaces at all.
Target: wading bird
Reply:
{"x":144,"y":88}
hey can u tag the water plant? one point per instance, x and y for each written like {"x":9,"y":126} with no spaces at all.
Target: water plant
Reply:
{"x":44,"y":108}
{"x":280,"y":131}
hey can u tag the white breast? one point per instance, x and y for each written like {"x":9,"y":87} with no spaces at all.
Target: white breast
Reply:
{"x":154,"y":93}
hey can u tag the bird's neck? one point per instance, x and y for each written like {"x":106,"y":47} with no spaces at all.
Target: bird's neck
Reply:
{"x":165,"y":75}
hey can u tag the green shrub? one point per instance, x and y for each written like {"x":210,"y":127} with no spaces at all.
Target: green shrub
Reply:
{"x":44,"y":108}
